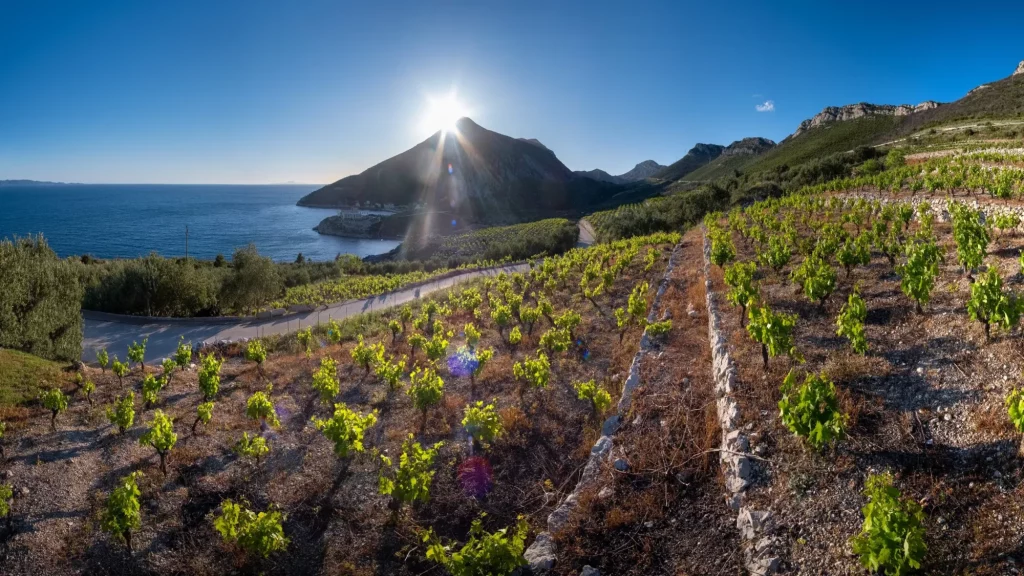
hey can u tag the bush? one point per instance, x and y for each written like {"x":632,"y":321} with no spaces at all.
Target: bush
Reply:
{"x":345,"y":428}
{"x":40,"y":301}
{"x":254,"y":281}
{"x":122,"y":513}
{"x":254,"y":447}
{"x":892,"y":538}
{"x":500,"y":552}
{"x":412,"y":479}
{"x":161,"y":437}
{"x":482,"y":422}
{"x":122,"y":413}
{"x":812,"y":410}
{"x":258,"y":534}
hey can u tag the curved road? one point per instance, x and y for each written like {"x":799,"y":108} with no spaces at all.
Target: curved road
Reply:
{"x":587,"y":235}
{"x":115,"y":332}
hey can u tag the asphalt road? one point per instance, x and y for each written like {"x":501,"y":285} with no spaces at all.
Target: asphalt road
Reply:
{"x":115,"y":332}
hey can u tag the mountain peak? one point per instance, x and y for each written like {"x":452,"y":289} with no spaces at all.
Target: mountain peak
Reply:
{"x":749,"y":146}
{"x":480,"y":176}
{"x":698,"y":156}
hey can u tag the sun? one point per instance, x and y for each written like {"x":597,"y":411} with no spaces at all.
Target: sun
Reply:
{"x":442,"y":113}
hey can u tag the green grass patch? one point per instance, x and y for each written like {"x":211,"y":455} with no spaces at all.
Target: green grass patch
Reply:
{"x":22,"y":376}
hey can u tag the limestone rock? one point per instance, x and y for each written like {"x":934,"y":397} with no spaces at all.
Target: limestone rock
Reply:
{"x":1020,"y":68}
{"x":590,"y":571}
{"x":541,"y":554}
{"x":861,"y":110}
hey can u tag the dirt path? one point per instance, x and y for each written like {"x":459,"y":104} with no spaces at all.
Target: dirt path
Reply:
{"x":115,"y":332}
{"x":587,"y":234}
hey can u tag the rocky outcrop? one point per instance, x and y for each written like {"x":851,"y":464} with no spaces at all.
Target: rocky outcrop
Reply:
{"x":749,"y":147}
{"x":351,"y":225}
{"x":861,"y":110}
{"x":979,"y":89}
{"x":1020,"y":69}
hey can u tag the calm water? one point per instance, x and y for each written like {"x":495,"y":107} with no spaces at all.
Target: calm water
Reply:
{"x":112,"y":221}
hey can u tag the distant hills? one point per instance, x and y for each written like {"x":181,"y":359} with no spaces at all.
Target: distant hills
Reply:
{"x":31,"y":183}
{"x":642,"y":171}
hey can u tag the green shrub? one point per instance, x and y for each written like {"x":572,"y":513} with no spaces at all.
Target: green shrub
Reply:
{"x":122,"y":413}
{"x":773,"y":331}
{"x":40,"y":301}
{"x":850,"y":323}
{"x":411,"y":480}
{"x":482,"y":422}
{"x":160,"y":437}
{"x":345,"y":428}
{"x":325,"y":380}
{"x":259,"y":407}
{"x":988,"y":303}
{"x":258,"y":534}
{"x":600,"y":399}
{"x":122,"y":513}
{"x":204,"y":413}
{"x":254,"y":447}
{"x":891,"y":540}
{"x":209,"y":376}
{"x":811,"y":411}
{"x":496,"y":553}
{"x":56,"y":402}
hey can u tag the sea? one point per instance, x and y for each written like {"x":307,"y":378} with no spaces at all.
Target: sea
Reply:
{"x":129,"y":220}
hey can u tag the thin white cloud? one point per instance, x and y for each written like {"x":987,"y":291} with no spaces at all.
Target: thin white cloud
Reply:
{"x":768,"y":106}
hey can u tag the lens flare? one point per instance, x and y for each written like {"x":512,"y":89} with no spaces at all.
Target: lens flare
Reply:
{"x":462,"y":363}
{"x":476,"y":476}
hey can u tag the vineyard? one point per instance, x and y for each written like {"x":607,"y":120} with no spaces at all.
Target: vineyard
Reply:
{"x":439,"y":438}
{"x":515,"y":242}
{"x":351,"y":287}
{"x":878,"y":358}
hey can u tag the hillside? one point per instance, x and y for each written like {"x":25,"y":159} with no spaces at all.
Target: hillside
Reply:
{"x":996,"y":100}
{"x":698,"y":156}
{"x":471,"y":174}
{"x":844,"y":128}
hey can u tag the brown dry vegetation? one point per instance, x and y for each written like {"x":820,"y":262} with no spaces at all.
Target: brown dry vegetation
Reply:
{"x":666,"y":514}
{"x":925,"y":402}
{"x":336,"y":520}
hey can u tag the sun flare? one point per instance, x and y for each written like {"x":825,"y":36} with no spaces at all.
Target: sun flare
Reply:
{"x":442,"y":113}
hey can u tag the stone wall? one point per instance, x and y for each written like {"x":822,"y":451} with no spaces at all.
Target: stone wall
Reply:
{"x":737,"y":468}
{"x":541,"y":555}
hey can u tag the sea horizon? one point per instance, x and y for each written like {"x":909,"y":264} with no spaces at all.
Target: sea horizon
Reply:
{"x":133,"y":220}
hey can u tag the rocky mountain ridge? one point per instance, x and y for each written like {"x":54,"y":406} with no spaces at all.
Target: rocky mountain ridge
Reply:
{"x":860,"y":110}
{"x":749,"y":146}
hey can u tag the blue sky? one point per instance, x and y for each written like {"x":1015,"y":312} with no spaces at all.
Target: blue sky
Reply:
{"x":265,"y":92}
